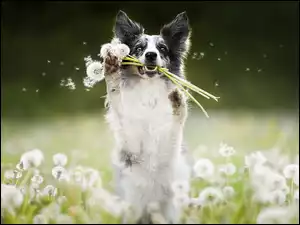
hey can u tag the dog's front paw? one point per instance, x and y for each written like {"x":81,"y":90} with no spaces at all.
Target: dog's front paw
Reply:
{"x":111,"y":64}
{"x":112,"y":55}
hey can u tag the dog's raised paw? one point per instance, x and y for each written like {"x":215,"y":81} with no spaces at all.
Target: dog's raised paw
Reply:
{"x":111,"y":64}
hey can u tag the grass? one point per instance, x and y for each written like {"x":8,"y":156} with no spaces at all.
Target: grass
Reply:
{"x":87,"y":141}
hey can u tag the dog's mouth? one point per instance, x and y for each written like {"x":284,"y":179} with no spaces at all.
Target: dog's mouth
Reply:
{"x":149,"y":70}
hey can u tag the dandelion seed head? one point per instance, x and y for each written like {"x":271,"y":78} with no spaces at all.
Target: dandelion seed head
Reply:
{"x":92,"y":177}
{"x":9,"y":174}
{"x":228,"y":192}
{"x":37,"y":179}
{"x":228,"y":169}
{"x":290,"y":171}
{"x":50,"y":190}
{"x":94,"y":71}
{"x":33,"y":158}
{"x":273,"y":215}
{"x":277,"y":197}
{"x":60,"y":159}
{"x":59,"y":173}
{"x":70,"y":84}
{"x":18,"y":174}
{"x":11,"y":197}
{"x":210,"y":195}
{"x":204,"y":168}
{"x":255,"y":158}
{"x":226,"y":151}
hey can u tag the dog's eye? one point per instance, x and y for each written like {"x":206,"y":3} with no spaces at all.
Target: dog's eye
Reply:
{"x":163,"y":48}
{"x":139,"y":49}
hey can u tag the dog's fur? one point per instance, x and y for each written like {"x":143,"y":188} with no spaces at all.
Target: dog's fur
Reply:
{"x":147,"y":114}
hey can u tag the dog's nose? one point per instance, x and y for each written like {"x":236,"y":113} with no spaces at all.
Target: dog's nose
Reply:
{"x":151,"y":56}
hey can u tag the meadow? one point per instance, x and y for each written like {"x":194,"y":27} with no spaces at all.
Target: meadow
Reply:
{"x":246,"y":167}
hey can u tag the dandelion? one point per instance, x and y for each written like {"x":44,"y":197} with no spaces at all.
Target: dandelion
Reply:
{"x":43,"y":74}
{"x":18,"y":174}
{"x":277,"y":197}
{"x":11,"y":197}
{"x":290,"y":171}
{"x":89,"y":82}
{"x":59,"y":173}
{"x":77,"y":68}
{"x":37,"y":179}
{"x":204,"y":168}
{"x":247,"y":69}
{"x":50,"y":190}
{"x":228,"y":169}
{"x":228,"y":192}
{"x":24,"y":89}
{"x":20,"y":166}
{"x":9,"y":174}
{"x":94,"y":71}
{"x":92,"y":176}
{"x":226,"y":151}
{"x":70,"y":84}
{"x":31,"y":158}
{"x":60,"y":159}
{"x":40,"y":219}
{"x":255,"y":158}
{"x":210,"y":196}
{"x":274,"y":215}
{"x":61,"y":199}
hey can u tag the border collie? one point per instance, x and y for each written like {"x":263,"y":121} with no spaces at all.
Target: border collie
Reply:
{"x":147,"y":113}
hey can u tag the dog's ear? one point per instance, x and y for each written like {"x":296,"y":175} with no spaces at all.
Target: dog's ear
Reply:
{"x":176,"y":34}
{"x":125,"y":29}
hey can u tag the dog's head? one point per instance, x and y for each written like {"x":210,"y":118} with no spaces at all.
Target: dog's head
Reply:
{"x":166,"y":49}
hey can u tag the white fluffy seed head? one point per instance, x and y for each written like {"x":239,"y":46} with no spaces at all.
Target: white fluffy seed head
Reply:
{"x":274,"y":215}
{"x":255,"y":158}
{"x":11,"y":197}
{"x":9,"y":174}
{"x":228,"y":169}
{"x":226,"y":151}
{"x":204,"y":168}
{"x":37,"y":179}
{"x":59,"y":172}
{"x":60,"y":159}
{"x":95,"y":71}
{"x":277,"y":197}
{"x":49,"y":190}
{"x":291,"y":171}
{"x":31,"y":158}
{"x":210,"y":196}
{"x":228,"y":192}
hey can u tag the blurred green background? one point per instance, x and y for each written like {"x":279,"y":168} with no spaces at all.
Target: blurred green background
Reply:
{"x":250,"y":52}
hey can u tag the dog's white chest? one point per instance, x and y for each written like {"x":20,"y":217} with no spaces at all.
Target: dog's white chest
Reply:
{"x":146,"y":114}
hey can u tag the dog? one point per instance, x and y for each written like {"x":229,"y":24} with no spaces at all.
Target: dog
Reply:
{"x":147,"y":113}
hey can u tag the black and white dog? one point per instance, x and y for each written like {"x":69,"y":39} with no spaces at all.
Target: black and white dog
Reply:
{"x":147,"y":113}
